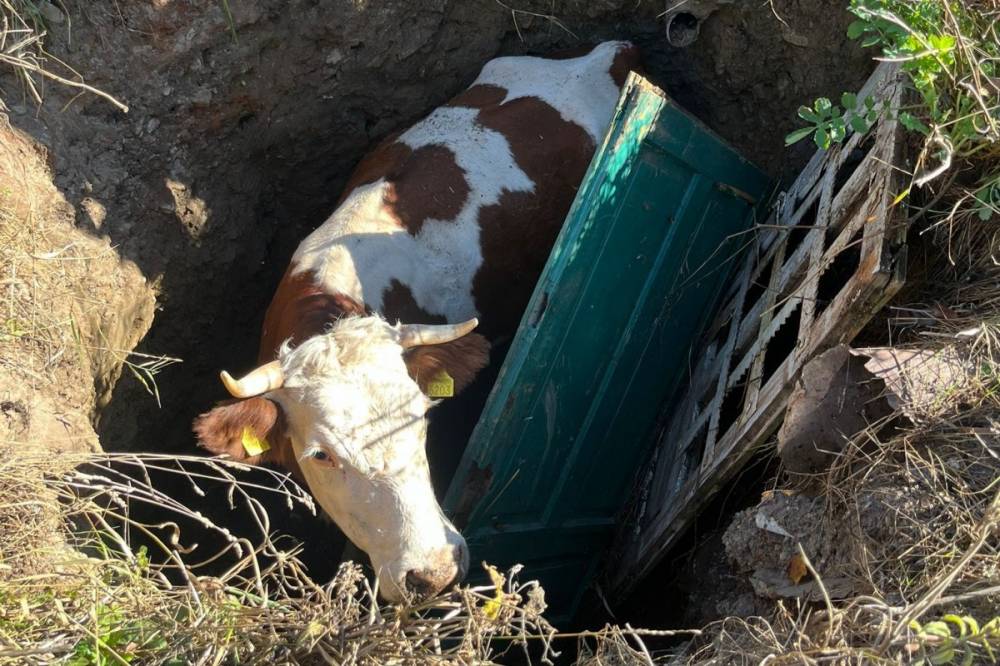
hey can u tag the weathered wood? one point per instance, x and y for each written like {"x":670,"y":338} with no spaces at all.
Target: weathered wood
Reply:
{"x":671,"y":493}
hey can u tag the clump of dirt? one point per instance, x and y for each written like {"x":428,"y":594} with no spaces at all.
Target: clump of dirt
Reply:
{"x":762,"y":544}
{"x":71,"y":311}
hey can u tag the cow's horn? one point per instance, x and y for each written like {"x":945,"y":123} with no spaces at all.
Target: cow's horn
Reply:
{"x":260,"y":380}
{"x":412,"y":335}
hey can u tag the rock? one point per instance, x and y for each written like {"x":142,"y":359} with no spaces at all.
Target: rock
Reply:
{"x":793,"y":37}
{"x":50,"y":12}
{"x":335,"y":56}
{"x":922,"y":383}
{"x":834,"y":399}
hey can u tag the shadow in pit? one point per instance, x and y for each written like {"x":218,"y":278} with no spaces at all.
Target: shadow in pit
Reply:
{"x":694,"y":584}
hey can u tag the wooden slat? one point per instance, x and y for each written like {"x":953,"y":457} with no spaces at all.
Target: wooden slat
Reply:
{"x":671,"y":494}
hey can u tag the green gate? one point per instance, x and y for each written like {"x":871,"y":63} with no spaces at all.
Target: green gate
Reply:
{"x":631,"y":282}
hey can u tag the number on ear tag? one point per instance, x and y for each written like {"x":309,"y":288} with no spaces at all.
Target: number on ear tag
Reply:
{"x":252,"y":444}
{"x":441,"y":386}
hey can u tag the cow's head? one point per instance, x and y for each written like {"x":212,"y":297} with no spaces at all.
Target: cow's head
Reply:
{"x":348,"y":407}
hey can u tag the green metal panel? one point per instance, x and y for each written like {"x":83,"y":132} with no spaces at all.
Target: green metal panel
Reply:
{"x":630,"y":284}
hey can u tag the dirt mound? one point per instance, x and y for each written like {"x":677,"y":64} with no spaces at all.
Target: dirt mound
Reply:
{"x":72,"y":309}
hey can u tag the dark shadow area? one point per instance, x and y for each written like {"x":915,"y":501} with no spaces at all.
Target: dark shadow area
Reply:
{"x":694,"y":584}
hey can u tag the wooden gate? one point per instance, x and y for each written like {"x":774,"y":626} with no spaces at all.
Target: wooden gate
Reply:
{"x":830,"y":255}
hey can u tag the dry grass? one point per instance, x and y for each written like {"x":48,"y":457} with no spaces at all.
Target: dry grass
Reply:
{"x":75,"y":588}
{"x":22,"y":49}
{"x":59,"y":289}
{"x":41,"y":268}
{"x":917,"y":504}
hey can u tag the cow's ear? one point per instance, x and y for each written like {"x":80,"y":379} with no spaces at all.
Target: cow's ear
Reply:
{"x":461,"y":359}
{"x":245,"y":430}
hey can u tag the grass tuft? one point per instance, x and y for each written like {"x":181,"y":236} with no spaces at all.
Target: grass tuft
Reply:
{"x":22,"y":49}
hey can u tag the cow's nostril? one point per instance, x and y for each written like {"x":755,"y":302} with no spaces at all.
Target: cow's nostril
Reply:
{"x":461,"y":565}
{"x":420,"y":583}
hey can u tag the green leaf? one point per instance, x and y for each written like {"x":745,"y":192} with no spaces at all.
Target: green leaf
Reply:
{"x":859,"y":124}
{"x":838,"y":130}
{"x":870,"y":40}
{"x":823,"y":106}
{"x":912,"y":123}
{"x":945,"y":655}
{"x":798,"y":135}
{"x":937,"y":628}
{"x":805,"y":113}
{"x":856,"y":29}
{"x":849,"y":101}
{"x":821,"y":138}
{"x":942,"y":43}
{"x":957,"y":621}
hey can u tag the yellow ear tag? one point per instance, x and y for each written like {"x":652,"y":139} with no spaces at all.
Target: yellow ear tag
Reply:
{"x":441,"y":386}
{"x":252,"y":444}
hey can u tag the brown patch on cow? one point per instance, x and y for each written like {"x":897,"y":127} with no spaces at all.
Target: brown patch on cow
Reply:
{"x":479,"y":96}
{"x":299,"y":310}
{"x":461,"y":358}
{"x":221,"y":429}
{"x":398,"y":304}
{"x":428,"y":184}
{"x":517,"y":233}
{"x":386,"y":157}
{"x":626,"y":60}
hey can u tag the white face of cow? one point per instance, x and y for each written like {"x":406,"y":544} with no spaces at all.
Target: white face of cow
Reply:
{"x":357,"y":423}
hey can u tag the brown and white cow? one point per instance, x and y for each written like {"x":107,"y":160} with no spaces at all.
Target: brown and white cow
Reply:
{"x":448,"y":222}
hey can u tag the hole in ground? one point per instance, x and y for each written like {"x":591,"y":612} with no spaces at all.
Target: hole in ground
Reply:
{"x":216,"y":288}
{"x":682,"y":29}
{"x":688,"y":588}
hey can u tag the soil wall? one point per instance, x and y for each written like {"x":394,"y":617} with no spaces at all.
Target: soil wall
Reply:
{"x":241,"y":132}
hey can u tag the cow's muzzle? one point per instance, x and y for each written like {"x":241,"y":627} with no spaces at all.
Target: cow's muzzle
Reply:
{"x":448,"y":568}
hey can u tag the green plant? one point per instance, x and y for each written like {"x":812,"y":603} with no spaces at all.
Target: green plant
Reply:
{"x":230,"y":22}
{"x":949,"y":50}
{"x":117,"y":639}
{"x":830,"y":123}
{"x":954,"y":639}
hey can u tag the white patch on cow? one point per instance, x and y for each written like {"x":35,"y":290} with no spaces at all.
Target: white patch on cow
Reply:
{"x":361,"y":248}
{"x":580,"y":89}
{"x":348,"y":394}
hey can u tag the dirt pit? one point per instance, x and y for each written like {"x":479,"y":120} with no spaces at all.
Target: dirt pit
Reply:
{"x":241,"y":132}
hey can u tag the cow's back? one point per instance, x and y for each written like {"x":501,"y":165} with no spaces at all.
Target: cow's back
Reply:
{"x":455,"y":217}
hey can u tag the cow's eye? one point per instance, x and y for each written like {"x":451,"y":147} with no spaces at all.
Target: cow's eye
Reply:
{"x":320,"y":455}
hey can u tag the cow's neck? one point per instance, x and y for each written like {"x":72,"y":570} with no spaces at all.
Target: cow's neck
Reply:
{"x":300,"y":309}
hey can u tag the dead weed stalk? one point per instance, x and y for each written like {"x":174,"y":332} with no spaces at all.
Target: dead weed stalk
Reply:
{"x":85,"y":580}
{"x":919,"y":502}
{"x":22,"y":48}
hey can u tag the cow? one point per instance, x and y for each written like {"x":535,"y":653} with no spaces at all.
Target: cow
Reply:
{"x":443,"y":226}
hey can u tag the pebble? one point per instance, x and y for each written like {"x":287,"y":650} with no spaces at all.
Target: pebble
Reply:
{"x":50,"y":12}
